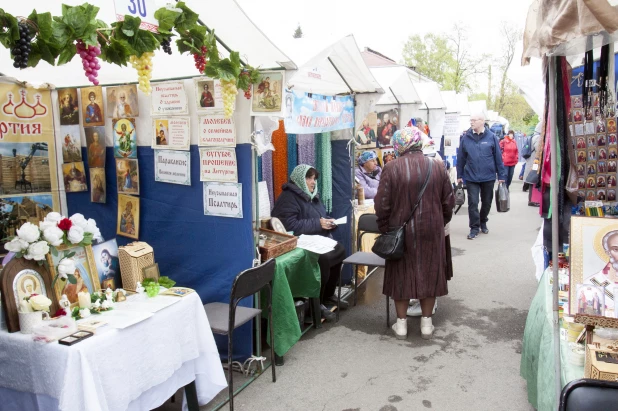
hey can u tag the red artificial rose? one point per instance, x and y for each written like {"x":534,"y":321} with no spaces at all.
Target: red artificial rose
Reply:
{"x":65,"y":224}
{"x":60,"y":312}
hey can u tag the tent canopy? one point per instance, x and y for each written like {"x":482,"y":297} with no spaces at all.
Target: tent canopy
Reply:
{"x":254,"y":47}
{"x":430,"y":95}
{"x":398,"y":89}
{"x":338,"y":69}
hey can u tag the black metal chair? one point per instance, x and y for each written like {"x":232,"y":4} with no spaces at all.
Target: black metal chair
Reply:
{"x":225,"y":318}
{"x":589,"y":395}
{"x":368,"y":259}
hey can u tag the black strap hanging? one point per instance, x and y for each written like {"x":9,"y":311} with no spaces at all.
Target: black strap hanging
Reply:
{"x":588,"y":81}
{"x":603,"y":77}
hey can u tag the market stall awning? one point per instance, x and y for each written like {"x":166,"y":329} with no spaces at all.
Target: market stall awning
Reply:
{"x":398,"y":89}
{"x":429,"y":93}
{"x":226,"y":17}
{"x":338,"y":69}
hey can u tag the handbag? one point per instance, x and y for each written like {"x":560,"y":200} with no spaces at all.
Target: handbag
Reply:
{"x":391,"y":245}
{"x":503,"y":200}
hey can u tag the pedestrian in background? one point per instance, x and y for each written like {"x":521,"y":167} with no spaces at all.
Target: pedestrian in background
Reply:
{"x":510,"y":155}
{"x":478,"y":161}
{"x":422,"y":272}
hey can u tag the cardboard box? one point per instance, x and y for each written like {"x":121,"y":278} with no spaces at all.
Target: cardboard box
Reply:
{"x":597,"y":369}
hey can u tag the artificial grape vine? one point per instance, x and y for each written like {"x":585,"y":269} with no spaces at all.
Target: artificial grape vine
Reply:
{"x":228,"y":92}
{"x":143,"y":65}
{"x":22,"y":47}
{"x":90,"y":61}
{"x":200,"y":59}
{"x":166,"y":45}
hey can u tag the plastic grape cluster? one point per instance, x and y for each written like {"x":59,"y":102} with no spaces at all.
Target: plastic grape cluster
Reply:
{"x":200,"y":59}
{"x":143,"y":65}
{"x":166,"y":45}
{"x":228,"y":92}
{"x":90,"y":61}
{"x":248,"y":90}
{"x":21,"y":48}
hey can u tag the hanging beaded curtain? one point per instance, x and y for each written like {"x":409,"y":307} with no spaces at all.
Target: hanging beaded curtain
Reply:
{"x":292,"y":152}
{"x":306,"y":149}
{"x":280,"y":159}
{"x":267,"y":175}
{"x":325,"y":167}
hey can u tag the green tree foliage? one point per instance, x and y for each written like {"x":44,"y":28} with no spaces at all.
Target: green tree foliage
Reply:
{"x":430,"y":55}
{"x":298,"y":33}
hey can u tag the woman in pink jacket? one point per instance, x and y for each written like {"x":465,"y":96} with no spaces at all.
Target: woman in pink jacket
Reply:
{"x":510,"y":155}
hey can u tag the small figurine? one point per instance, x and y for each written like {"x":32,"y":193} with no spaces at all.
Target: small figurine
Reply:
{"x":138,"y":288}
{"x":107,"y":304}
{"x":65,"y":304}
{"x":84,"y":313}
{"x":109,"y":294}
{"x":97,"y":304}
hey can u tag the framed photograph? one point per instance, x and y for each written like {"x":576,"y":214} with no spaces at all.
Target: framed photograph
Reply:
{"x":387,"y":125}
{"x":71,"y":144}
{"x":590,"y":300}
{"x":366,"y":134}
{"x":611,"y":125}
{"x":85,"y":273}
{"x":20,"y":279}
{"x":127,"y":176}
{"x":36,"y":207}
{"x":122,"y":101}
{"x":93,"y":111}
{"x":611,"y":138}
{"x":98,"y":188}
{"x":95,"y":142}
{"x":578,"y":115}
{"x":388,"y":155}
{"x":69,"y":107}
{"x":594,"y":255}
{"x":151,"y":271}
{"x":267,"y":97}
{"x":108,"y":265}
{"x":74,"y":176}
{"x":208,"y":95}
{"x":125,"y":137}
{"x":169,"y":98}
{"x":128,"y":216}
{"x":171,"y":133}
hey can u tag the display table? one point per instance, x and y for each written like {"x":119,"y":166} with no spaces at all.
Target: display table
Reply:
{"x":297,"y":275}
{"x":537,"y":358}
{"x":136,"y":368}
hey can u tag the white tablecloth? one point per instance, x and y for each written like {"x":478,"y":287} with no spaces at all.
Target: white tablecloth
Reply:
{"x":137,"y":368}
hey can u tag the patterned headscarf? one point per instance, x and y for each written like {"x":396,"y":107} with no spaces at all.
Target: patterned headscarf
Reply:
{"x":408,"y":139}
{"x":366,"y":156}
{"x":298,"y":178}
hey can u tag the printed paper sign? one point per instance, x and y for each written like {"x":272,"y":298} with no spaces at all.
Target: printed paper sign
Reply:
{"x":451,"y":133}
{"x":217,"y":131}
{"x":143,"y":9}
{"x":223,"y":199}
{"x":173,"y":167}
{"x":169,"y":98}
{"x":218,"y":164}
{"x":171,"y":133}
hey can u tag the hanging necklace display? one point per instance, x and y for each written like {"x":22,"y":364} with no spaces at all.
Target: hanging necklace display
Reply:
{"x":589,"y":82}
{"x":603,"y":88}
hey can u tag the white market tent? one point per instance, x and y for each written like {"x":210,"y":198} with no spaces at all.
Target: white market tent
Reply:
{"x":254,"y":47}
{"x":464,"y":111}
{"x":429,"y":93}
{"x":529,"y":79}
{"x":397,"y":86}
{"x":450,"y":101}
{"x":337,"y":69}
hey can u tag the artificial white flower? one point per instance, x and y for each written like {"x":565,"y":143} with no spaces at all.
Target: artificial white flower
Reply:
{"x":91,"y":227}
{"x":106,"y":304}
{"x":66,"y":267}
{"x":44,"y":225}
{"x":37,"y":251}
{"x":53,"y":235}
{"x":29,"y":232}
{"x":53,"y":217}
{"x":16,"y":245}
{"x":40,"y":302}
{"x":76,"y":234}
{"x":84,"y":313}
{"x":79,"y":220}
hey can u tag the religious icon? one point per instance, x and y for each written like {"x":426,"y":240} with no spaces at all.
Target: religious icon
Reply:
{"x":268,"y":93}
{"x":69,"y":108}
{"x":71,"y":144}
{"x":95,"y":141}
{"x":122,"y":101}
{"x":127,"y":176}
{"x":590,"y":300}
{"x":74,"y":177}
{"x":128,"y":216}
{"x":97,"y":183}
{"x":92,"y":106}
{"x":125,"y":138}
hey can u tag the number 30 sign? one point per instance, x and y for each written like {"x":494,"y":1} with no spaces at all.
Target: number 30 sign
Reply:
{"x":144,"y":9}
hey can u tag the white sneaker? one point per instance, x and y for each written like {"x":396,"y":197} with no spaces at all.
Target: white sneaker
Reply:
{"x":426,"y":328}
{"x":401,"y":328}
{"x":414,"y":310}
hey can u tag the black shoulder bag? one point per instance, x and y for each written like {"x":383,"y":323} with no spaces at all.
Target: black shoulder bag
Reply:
{"x":391,"y":245}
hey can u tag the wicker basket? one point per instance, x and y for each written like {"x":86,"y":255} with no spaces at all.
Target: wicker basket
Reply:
{"x":276,"y":244}
{"x":133,"y":257}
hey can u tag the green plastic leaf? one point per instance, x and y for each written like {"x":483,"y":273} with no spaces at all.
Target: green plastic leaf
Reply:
{"x":184,"y":46}
{"x":60,"y":34}
{"x":54,"y":251}
{"x":47,"y":53}
{"x":211,"y":71}
{"x":35,"y":56}
{"x":8,"y":23}
{"x":43,"y":22}
{"x":130,"y":25}
{"x":116,"y":52}
{"x":76,"y":20}
{"x":187,"y":20}
{"x":165,"y":281}
{"x":69,"y":254}
{"x":90,"y":11}
{"x":90,"y":36}
{"x":167,"y":19}
{"x":66,"y":54}
{"x":144,"y":41}
{"x":87,"y":239}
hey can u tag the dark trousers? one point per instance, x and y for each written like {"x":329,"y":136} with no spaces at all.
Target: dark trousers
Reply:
{"x":523,"y":170}
{"x":510,"y":170}
{"x":330,"y":266}
{"x":486,"y":192}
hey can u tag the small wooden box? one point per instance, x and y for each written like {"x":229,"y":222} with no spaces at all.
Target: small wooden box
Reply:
{"x":599,"y":370}
{"x":276,"y":244}
{"x":133,"y":258}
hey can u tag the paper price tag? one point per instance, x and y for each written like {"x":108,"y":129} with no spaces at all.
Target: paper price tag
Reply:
{"x":144,"y":9}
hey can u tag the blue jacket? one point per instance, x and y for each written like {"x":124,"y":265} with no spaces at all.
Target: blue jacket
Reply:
{"x":298,"y":213}
{"x":479,"y":158}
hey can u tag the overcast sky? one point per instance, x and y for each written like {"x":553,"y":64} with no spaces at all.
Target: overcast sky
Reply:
{"x":385,"y":26}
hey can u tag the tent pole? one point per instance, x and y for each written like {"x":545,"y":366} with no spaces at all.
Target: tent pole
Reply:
{"x":555,"y":219}
{"x":340,"y":75}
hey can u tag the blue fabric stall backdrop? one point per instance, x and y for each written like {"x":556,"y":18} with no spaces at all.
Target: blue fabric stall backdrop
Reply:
{"x":197,"y":251}
{"x":342,"y":196}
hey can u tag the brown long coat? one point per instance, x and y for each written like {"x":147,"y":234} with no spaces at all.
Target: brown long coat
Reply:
{"x":422,"y":272}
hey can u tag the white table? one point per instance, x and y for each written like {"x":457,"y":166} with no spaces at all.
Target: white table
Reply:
{"x":136,"y":368}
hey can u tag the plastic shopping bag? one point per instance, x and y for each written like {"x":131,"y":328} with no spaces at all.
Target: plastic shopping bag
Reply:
{"x":503,"y":201}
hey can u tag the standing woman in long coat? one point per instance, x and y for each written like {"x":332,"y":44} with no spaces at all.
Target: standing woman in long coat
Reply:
{"x":423,"y":271}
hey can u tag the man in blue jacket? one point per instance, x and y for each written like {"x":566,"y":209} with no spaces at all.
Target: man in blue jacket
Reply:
{"x":478,"y":161}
